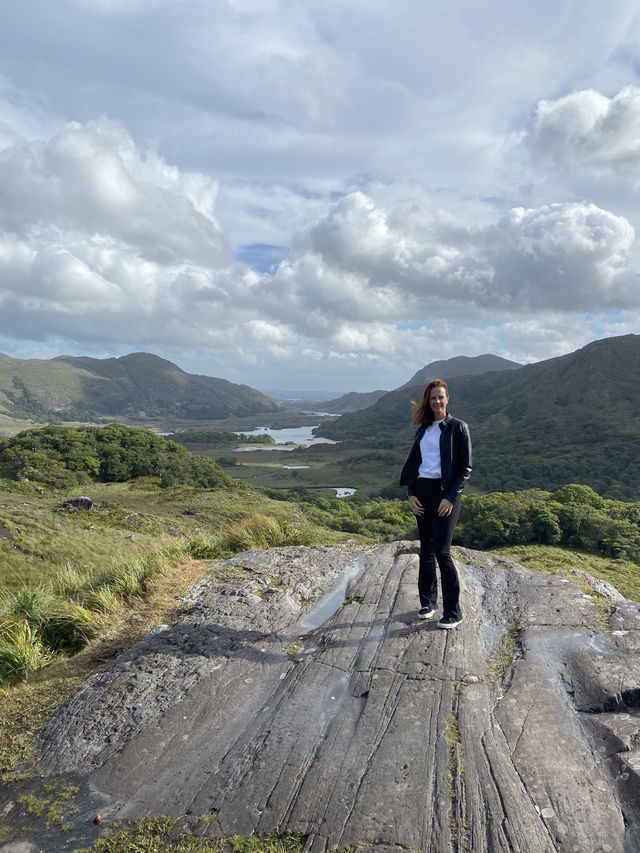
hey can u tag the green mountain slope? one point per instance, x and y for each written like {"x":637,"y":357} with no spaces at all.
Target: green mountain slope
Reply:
{"x":460,"y":365}
{"x":575,"y":418}
{"x":139,"y":385}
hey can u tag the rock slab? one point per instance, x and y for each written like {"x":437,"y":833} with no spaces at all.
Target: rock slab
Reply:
{"x":518,"y":731}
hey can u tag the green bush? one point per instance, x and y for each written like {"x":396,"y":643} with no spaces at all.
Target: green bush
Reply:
{"x":63,"y":457}
{"x":574,"y":516}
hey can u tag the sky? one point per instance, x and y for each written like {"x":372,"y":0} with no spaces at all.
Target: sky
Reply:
{"x":318,"y":195}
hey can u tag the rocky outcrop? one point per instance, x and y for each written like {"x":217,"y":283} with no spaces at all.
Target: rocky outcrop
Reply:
{"x":518,"y":731}
{"x":81,"y":502}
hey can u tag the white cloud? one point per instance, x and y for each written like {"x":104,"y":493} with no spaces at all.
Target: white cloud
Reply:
{"x":362,"y":262}
{"x":94,"y":177}
{"x":591,"y":131}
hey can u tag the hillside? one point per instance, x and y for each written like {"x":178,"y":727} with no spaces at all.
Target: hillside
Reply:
{"x":460,"y":365}
{"x":139,"y":385}
{"x":353,"y":402}
{"x":575,"y":418}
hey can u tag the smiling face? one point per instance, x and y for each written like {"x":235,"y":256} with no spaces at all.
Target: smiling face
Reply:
{"x":438,"y":399}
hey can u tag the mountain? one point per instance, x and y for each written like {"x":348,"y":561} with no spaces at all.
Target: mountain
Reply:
{"x":575,"y":418}
{"x":352,"y":402}
{"x":460,"y":365}
{"x":139,"y":385}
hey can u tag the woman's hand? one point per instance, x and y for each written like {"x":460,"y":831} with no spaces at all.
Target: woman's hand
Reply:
{"x":445,"y":508}
{"x":416,"y":506}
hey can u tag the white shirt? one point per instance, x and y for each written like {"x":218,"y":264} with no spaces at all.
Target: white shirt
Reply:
{"x":430,"y":467}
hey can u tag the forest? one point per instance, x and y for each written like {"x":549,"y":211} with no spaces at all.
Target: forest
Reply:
{"x":60,"y":456}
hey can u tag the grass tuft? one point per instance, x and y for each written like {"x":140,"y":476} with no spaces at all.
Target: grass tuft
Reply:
{"x":31,"y":604}
{"x":499,"y":662}
{"x":67,"y":627}
{"x":21,"y":651}
{"x":154,"y":835}
{"x":204,"y":547}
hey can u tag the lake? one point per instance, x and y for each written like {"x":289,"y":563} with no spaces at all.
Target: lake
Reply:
{"x":298,"y":435}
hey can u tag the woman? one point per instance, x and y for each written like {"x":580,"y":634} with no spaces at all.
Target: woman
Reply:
{"x":438,"y":466}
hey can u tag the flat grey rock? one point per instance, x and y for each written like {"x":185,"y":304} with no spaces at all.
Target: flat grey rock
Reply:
{"x":518,"y":731}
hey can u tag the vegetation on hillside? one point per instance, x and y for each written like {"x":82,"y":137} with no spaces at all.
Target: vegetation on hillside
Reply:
{"x":219,"y":438}
{"x":574,"y":516}
{"x":66,"y":572}
{"x":136,"y":386}
{"x":573,"y":419}
{"x":65,"y":456}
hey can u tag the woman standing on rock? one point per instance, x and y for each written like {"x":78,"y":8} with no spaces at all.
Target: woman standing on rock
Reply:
{"x":438,"y":466}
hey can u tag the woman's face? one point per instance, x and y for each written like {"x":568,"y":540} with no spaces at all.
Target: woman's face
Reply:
{"x":438,"y":399}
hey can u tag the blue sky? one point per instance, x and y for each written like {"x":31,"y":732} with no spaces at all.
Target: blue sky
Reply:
{"x":321,"y":195}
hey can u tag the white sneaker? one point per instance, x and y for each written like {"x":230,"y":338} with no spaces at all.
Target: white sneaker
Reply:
{"x":449,"y":622}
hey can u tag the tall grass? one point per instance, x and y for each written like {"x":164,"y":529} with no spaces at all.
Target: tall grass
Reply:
{"x":21,"y":651}
{"x":41,"y":622}
{"x":261,"y":531}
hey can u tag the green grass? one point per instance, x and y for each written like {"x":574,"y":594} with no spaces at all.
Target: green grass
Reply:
{"x":622,"y":574}
{"x":64,"y":575}
{"x":54,"y":805}
{"x":455,"y":768}
{"x":151,"y":835}
{"x":330,"y":466}
{"x":498,"y":663}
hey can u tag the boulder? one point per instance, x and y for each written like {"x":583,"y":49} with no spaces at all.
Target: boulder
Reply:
{"x":81,"y":502}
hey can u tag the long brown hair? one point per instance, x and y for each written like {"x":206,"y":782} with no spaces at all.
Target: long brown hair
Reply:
{"x":422,"y":413}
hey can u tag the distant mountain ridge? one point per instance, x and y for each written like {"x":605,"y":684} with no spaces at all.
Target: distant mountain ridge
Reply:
{"x":460,"y":365}
{"x":139,"y":385}
{"x":573,"y":418}
{"x":353,"y":401}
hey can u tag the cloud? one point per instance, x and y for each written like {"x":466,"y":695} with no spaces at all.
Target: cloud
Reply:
{"x":92,"y":178}
{"x":590,"y":130}
{"x":363,"y":263}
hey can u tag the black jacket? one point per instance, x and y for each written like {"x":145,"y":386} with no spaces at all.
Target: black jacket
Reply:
{"x":455,"y":458}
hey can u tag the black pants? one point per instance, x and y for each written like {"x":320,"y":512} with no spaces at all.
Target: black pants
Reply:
{"x":436,"y":533}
